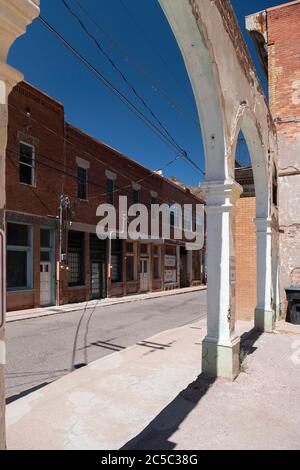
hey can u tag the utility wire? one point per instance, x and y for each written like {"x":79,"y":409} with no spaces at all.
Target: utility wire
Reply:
{"x":154,"y":49}
{"x":136,"y":66}
{"x":107,"y":166}
{"x":75,"y":177}
{"x":119,"y":71}
{"x":114,"y":90}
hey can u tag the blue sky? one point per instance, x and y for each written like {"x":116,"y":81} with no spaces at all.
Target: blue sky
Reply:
{"x":140,"y":31}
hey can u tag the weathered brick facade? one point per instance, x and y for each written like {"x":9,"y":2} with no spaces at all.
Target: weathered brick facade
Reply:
{"x":276,"y":34}
{"x":59,"y":148}
{"x":284,"y":82}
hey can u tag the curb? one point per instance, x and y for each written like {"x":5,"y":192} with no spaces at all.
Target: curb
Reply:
{"x":15,"y":317}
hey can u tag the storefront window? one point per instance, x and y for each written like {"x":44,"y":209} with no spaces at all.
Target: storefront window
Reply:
{"x":19,"y":256}
{"x":156,"y":263}
{"x":76,"y":258}
{"x":116,"y":260}
{"x":130,"y":274}
{"x":130,"y":262}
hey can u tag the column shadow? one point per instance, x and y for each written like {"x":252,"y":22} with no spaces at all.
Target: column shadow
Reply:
{"x":158,"y":434}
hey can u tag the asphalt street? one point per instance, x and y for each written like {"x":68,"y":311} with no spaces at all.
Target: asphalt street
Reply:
{"x":44,"y":349}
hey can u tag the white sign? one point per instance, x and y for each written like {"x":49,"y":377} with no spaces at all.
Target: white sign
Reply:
{"x":170,"y":276}
{"x":2,"y":279}
{"x":170,"y":261}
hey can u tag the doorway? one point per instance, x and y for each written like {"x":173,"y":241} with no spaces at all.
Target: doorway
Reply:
{"x":97,"y":280}
{"x":144,"y":275}
{"x":45,"y":284}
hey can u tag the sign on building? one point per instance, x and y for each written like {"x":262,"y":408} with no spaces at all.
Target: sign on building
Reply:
{"x":2,"y":279}
{"x":170,"y":261}
{"x":170,"y":276}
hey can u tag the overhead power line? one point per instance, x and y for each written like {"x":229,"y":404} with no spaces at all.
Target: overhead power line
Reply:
{"x":119,"y":94}
{"x":119,"y":71}
{"x":137,"y":67}
{"x":154,"y":49}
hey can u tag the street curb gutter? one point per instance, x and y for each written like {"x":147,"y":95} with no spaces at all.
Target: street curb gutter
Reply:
{"x":58,"y":310}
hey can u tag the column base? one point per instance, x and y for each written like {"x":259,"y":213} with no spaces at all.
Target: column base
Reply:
{"x":221,"y":360}
{"x":264,"y":320}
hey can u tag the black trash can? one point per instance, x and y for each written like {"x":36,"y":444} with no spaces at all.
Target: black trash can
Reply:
{"x":293,"y":298}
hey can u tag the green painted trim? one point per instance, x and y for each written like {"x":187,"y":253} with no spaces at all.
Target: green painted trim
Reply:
{"x":265,"y":320}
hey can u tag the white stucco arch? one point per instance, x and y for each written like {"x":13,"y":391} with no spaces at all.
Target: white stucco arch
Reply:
{"x":229,"y":99}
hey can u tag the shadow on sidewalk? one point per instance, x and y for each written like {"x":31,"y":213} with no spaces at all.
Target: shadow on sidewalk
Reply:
{"x":157,"y":435}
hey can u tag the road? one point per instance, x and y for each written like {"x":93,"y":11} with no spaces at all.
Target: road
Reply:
{"x":42,"y":350}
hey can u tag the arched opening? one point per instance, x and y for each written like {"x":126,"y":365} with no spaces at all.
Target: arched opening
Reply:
{"x":255,"y":273}
{"x":220,"y":348}
{"x":245,"y":234}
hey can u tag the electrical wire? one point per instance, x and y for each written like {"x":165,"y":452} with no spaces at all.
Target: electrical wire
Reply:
{"x":137,"y":67}
{"x":119,"y":71}
{"x":120,"y":95}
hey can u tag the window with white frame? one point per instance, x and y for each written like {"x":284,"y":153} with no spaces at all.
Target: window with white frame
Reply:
{"x":27,"y":164}
{"x":188,"y":219}
{"x":199,"y":223}
{"x":19,"y":256}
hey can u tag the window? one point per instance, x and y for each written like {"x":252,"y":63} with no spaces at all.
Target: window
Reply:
{"x":196,"y":266}
{"x":116,"y":260}
{"x":110,"y":186}
{"x":144,"y":249}
{"x":129,"y":248}
{"x":130,"y":271}
{"x":153,"y":200}
{"x":199,"y":223}
{"x":46,"y":242}
{"x":130,"y":262}
{"x":82,"y":183}
{"x":19,"y":256}
{"x":45,"y":238}
{"x":172,"y":217}
{"x":27,"y":164}
{"x":156,"y":263}
{"x":76,"y":258}
{"x":188,"y":219}
{"x":135,"y":196}
{"x":275,"y":186}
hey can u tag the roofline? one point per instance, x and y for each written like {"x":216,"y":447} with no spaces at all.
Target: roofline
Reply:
{"x":283,"y":5}
{"x":106,"y":146}
{"x":132,"y":161}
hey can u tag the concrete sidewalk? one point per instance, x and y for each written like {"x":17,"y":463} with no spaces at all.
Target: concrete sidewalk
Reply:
{"x":149,"y":396}
{"x":56,"y":310}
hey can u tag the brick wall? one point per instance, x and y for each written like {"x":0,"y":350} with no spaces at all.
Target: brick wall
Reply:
{"x":38,"y":120}
{"x":284,"y":83}
{"x":245,"y":233}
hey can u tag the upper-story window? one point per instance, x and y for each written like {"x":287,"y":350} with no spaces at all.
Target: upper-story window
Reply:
{"x":135,"y":196}
{"x":82,"y":179}
{"x":110,"y":188}
{"x":27,"y":164}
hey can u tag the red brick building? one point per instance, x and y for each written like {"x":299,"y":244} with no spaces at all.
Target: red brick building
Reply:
{"x":56,"y":177}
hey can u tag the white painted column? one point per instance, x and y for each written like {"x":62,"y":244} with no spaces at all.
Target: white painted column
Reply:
{"x":264,"y":313}
{"x":15,"y":15}
{"x":221,"y":347}
{"x":8,"y":77}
